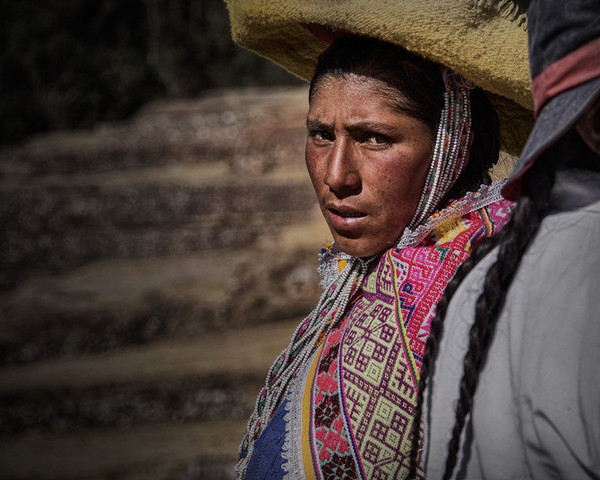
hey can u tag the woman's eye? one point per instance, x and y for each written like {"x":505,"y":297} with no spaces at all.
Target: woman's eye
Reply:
{"x":376,"y":139}
{"x":320,"y":135}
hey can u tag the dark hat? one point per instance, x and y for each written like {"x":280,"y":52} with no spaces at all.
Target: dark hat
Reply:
{"x":564,"y":57}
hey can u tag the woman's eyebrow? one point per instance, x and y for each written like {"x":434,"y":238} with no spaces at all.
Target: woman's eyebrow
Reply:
{"x":316,"y":125}
{"x":362,"y":127}
{"x":359,"y":127}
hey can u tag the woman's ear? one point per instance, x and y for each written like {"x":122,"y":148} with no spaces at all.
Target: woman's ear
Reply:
{"x":588,"y":126}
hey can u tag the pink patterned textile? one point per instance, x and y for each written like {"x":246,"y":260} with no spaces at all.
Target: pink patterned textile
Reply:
{"x":362,"y":385}
{"x":344,"y":388}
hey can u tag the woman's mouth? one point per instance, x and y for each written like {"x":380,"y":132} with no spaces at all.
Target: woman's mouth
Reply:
{"x":346,"y":214}
{"x":345,"y":219}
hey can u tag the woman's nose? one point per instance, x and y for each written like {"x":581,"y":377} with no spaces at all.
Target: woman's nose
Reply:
{"x":342,"y":176}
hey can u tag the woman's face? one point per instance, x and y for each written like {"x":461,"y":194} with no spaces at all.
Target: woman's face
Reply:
{"x":367,"y":162}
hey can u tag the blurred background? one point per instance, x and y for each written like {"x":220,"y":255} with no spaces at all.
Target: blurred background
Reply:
{"x":158,"y":237}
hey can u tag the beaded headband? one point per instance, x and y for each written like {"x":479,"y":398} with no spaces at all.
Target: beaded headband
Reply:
{"x":451,"y":146}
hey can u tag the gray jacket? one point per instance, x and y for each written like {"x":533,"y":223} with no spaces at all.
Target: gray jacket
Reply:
{"x":536,"y":412}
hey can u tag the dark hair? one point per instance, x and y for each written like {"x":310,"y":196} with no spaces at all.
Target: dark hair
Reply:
{"x":416,"y":89}
{"x":512,"y":242}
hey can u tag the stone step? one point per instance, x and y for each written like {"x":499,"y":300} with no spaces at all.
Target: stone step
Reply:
{"x":55,"y":252}
{"x":242,"y":351}
{"x":167,"y":195}
{"x":57,"y":223}
{"x":267,"y":124}
{"x":169,"y":451}
{"x":125,"y":353}
{"x":123,"y":405}
{"x":215,"y":376}
{"x":110,"y":304}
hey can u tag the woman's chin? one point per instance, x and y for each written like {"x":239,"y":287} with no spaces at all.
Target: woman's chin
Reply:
{"x":361,"y":248}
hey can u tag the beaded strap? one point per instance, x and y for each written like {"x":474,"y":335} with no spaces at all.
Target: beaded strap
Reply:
{"x":331,"y":307}
{"x":451,"y":145}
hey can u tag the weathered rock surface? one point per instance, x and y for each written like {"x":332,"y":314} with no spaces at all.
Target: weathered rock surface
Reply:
{"x":151,"y":270}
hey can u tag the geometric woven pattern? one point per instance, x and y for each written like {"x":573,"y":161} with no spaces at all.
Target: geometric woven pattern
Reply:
{"x":364,"y":390}
{"x":331,"y":441}
{"x":377,"y":387}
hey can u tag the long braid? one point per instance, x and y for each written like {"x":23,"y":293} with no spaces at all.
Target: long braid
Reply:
{"x":435,"y":334}
{"x":513,"y":241}
{"x":521,"y":230}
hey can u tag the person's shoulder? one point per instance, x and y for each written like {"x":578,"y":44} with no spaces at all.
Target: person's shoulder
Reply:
{"x":576,"y":191}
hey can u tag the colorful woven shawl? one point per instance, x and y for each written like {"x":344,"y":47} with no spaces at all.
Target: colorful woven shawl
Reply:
{"x":350,"y":400}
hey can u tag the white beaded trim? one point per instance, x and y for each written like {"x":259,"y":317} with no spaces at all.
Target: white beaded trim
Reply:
{"x":352,"y":274}
{"x":453,"y":131}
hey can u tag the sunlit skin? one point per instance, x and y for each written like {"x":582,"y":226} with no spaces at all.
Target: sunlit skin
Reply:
{"x":367,"y":163}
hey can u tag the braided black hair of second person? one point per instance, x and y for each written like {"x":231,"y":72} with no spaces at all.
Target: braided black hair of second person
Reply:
{"x":435,"y":334}
{"x":513,"y":240}
{"x":526,"y":220}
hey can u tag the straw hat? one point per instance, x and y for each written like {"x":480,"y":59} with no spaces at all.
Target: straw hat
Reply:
{"x":483,"y":40}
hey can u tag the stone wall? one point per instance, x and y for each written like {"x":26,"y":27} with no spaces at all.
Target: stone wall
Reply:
{"x":151,"y":271}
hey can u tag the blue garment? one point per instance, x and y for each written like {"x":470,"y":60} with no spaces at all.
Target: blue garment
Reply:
{"x":266,"y":462}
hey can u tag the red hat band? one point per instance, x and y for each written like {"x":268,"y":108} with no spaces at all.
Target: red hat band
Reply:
{"x":574,"y":69}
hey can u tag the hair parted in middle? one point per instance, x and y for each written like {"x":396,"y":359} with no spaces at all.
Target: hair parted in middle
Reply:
{"x":416,"y":88}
